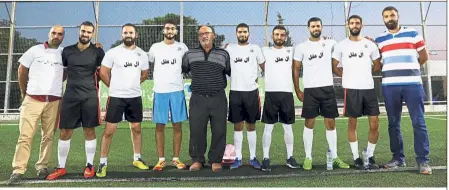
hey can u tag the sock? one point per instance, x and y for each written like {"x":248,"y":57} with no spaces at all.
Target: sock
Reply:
{"x":355,"y":149}
{"x":370,"y":149}
{"x":252,"y":141}
{"x":90,"y":148}
{"x":288,"y":139}
{"x":175,"y":158}
{"x":238,"y":138}
{"x":331,"y":136}
{"x":136,"y":156}
{"x":104,"y":161}
{"x":63,"y":152}
{"x":307,"y":136}
{"x":161,"y":158}
{"x":266,"y":140}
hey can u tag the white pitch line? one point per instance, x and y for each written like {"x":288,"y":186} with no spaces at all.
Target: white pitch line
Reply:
{"x":383,"y":117}
{"x":436,"y":118}
{"x":263,"y":175}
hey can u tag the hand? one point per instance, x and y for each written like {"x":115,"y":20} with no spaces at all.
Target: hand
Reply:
{"x":300,"y":96}
{"x":98,"y":45}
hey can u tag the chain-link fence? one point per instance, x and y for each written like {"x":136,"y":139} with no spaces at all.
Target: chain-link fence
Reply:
{"x":24,"y":24}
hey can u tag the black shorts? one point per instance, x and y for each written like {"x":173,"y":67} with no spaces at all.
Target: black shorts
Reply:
{"x":244,"y":106}
{"x":131,"y":107}
{"x":79,"y":112}
{"x":360,"y":102}
{"x":278,"y":107}
{"x":319,"y":101}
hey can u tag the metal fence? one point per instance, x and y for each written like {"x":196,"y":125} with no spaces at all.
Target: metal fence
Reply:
{"x":24,"y":24}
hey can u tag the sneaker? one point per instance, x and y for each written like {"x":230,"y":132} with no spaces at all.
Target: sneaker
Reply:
{"x":372,"y":164}
{"x":140,"y":164}
{"x":42,"y":173}
{"x":255,"y":163}
{"x":237,"y":163}
{"x":358,"y":164}
{"x":307,"y":164}
{"x":291,"y":163}
{"x":89,"y":171}
{"x":178,"y":164}
{"x":393,"y":164}
{"x":266,"y":165}
{"x":424,"y":169}
{"x":338,"y":163}
{"x":14,"y":179}
{"x":57,"y":173}
{"x":159,"y":166}
{"x":101,"y":172}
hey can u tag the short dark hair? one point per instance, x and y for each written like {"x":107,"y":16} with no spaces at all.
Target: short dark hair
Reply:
{"x":129,"y":24}
{"x":356,"y":17}
{"x":242,"y":25}
{"x":314,"y":19}
{"x":88,"y":23}
{"x":209,"y":26}
{"x":169,"y":21}
{"x":390,"y":8}
{"x":279,"y":27}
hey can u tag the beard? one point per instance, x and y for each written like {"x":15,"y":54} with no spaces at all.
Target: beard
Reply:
{"x":56,"y":42}
{"x":279,"y":42}
{"x":84,"y":40}
{"x":354,"y":33}
{"x":169,"y":37}
{"x":315,"y":35}
{"x":392,"y":24}
{"x":129,"y":42}
{"x":242,"y":40}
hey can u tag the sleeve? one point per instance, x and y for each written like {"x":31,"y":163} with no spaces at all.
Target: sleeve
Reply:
{"x":100,"y":56}
{"x":419,"y":42}
{"x":27,"y":58}
{"x":336,"y":54}
{"x":298,"y":55}
{"x":64,"y":57}
{"x":185,"y":63}
{"x":228,"y":64}
{"x":108,"y":59}
{"x":151,"y":57}
{"x":146,"y":64}
{"x":374,"y":52}
{"x":185,"y":48}
{"x":259,"y":55}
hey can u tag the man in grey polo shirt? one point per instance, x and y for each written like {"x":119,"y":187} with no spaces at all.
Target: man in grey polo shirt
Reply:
{"x":208,"y":66}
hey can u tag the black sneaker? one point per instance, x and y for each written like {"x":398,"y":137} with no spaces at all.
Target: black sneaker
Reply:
{"x":266,"y":165}
{"x":358,"y":164}
{"x":291,"y":163}
{"x":42,"y":173}
{"x":372,"y":163}
{"x":15,"y":178}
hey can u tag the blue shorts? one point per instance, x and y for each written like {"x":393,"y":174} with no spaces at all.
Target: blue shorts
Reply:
{"x":174,"y":102}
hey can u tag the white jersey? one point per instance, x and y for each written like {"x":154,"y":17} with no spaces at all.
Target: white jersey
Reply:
{"x":167,"y":61}
{"x":278,"y":69}
{"x":316,"y":59}
{"x":127,"y":66}
{"x":356,"y":57}
{"x":45,"y":70}
{"x":245,"y":62}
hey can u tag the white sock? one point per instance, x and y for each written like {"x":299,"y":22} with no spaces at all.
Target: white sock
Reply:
{"x":63,"y":152}
{"x":307,"y":136}
{"x":238,"y":138}
{"x":266,"y":140}
{"x":252,"y":141}
{"x":370,"y":149}
{"x":288,"y":139}
{"x":175,"y":158}
{"x":355,"y":149}
{"x":136,"y":156}
{"x":90,"y":148}
{"x":331,"y":136}
{"x":104,"y":161}
{"x":162,"y":158}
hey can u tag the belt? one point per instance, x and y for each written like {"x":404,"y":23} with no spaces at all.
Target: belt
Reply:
{"x":207,"y":94}
{"x":44,"y":98}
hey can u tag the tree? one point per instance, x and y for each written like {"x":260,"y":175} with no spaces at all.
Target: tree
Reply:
{"x":148,"y":35}
{"x":288,"y":41}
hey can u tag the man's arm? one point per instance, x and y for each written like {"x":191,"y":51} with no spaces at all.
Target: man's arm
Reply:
{"x":185,"y":67}
{"x":376,"y":65}
{"x":335,"y":69}
{"x":227,"y":64}
{"x":23,"y":79}
{"x":144,"y":75}
{"x":105,"y":75}
{"x":423,"y":56}
{"x":295,"y":75}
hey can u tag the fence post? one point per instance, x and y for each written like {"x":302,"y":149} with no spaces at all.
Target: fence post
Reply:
{"x":346,"y":12}
{"x":429,"y":78}
{"x":181,"y":22}
{"x":266,"y":22}
{"x":12,"y":24}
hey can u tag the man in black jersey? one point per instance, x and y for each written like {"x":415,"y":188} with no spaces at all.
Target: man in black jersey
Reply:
{"x":80,"y":105}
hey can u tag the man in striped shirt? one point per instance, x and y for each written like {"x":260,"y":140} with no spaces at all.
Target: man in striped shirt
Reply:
{"x":403,"y":52}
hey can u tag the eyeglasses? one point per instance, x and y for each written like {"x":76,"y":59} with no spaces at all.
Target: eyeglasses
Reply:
{"x":205,"y":33}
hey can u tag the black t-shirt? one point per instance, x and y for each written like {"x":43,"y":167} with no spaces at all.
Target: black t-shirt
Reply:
{"x":82,"y":81}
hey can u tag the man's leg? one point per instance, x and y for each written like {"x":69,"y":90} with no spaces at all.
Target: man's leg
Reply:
{"x":354,"y":109}
{"x":287,"y":118}
{"x":198,"y":119}
{"x":329,"y":110}
{"x":218,"y":112}
{"x":270,"y":116}
{"x":178,"y":110}
{"x":160,"y":117}
{"x":371,"y":109}
{"x":252,"y":106}
{"x":310,"y":110}
{"x":134,"y":115}
{"x":237,"y":117}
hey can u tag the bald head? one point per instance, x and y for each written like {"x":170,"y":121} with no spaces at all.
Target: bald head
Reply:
{"x":55,"y":36}
{"x":206,"y":36}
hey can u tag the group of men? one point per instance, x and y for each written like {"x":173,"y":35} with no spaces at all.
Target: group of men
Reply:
{"x":44,"y":67}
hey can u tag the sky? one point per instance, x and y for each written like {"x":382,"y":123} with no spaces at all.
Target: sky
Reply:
{"x":227,"y":15}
